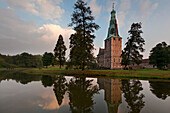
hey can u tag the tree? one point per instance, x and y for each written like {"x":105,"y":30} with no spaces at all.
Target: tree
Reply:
{"x":38,"y":60}
{"x":21,"y":60}
{"x":60,"y":88}
{"x":47,"y":59}
{"x":134,"y":45}
{"x":81,"y":101}
{"x":81,"y":43}
{"x":60,"y":51}
{"x":133,"y":96}
{"x":160,"y":55}
{"x":25,"y":59}
{"x":47,"y":81}
{"x":160,"y":89}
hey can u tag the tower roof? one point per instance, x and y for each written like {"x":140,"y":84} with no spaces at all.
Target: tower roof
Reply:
{"x":113,"y":27}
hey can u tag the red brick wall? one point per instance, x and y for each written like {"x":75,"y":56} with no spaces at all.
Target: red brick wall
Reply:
{"x":113,"y":50}
{"x":107,"y":53}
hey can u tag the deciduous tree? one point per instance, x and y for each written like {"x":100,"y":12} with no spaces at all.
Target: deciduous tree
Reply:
{"x":47,"y":59}
{"x":160,"y":55}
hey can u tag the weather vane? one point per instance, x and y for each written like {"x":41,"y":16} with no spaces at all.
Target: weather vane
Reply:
{"x":113,"y":5}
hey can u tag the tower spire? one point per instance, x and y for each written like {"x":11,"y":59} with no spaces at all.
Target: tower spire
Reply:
{"x":113,"y":27}
{"x":113,"y":6}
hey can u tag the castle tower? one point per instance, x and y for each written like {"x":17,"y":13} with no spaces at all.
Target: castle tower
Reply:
{"x":112,"y":93}
{"x":113,"y":45}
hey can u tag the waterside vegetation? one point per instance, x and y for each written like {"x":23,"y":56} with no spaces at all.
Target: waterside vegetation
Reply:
{"x":133,"y":74}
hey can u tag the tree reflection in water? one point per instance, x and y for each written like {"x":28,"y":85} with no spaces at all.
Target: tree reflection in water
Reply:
{"x":81,"y":94}
{"x":60,"y":88}
{"x":19,"y":77}
{"x":160,"y":89}
{"x":47,"y":81}
{"x":131,"y":90}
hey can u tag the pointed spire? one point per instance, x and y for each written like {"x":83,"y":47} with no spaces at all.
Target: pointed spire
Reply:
{"x":113,"y":27}
{"x":113,"y":5}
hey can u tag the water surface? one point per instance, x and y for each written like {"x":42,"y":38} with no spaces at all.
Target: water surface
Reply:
{"x":22,"y":93}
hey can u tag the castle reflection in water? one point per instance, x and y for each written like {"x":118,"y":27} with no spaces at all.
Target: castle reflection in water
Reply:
{"x":113,"y":94}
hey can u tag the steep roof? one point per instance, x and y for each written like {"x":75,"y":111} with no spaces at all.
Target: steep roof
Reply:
{"x":113,"y":27}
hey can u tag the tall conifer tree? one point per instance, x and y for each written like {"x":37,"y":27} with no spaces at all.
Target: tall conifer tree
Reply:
{"x":81,"y":43}
{"x":131,"y":54}
{"x":60,"y":50}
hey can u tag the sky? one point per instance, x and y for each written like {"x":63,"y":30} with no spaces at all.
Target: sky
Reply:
{"x":34,"y":26}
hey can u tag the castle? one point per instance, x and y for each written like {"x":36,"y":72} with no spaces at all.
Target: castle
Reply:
{"x":112,"y":93}
{"x":109,"y":57}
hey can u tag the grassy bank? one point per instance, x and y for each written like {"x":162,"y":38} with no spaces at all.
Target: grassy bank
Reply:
{"x":139,"y":74}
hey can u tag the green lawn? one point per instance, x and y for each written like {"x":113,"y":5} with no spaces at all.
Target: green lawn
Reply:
{"x":139,"y":73}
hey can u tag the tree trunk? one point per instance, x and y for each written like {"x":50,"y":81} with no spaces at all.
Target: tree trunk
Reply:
{"x":83,"y":68}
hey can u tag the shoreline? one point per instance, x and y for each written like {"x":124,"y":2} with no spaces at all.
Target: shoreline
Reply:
{"x":138,"y":74}
{"x":144,"y":74}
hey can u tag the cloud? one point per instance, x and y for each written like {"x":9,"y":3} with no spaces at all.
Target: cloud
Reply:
{"x":52,"y":33}
{"x":121,"y":18}
{"x":123,"y":11}
{"x":125,"y":5}
{"x":47,"y":9}
{"x":11,"y":26}
{"x":96,"y":9}
{"x":146,"y":8}
{"x":48,"y":101}
{"x":95,"y":51}
{"x":18,"y":35}
{"x":110,"y":5}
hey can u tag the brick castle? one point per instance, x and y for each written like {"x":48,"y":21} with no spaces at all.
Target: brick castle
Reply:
{"x":109,"y":57}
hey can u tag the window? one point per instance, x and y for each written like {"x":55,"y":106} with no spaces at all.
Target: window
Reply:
{"x":114,"y":59}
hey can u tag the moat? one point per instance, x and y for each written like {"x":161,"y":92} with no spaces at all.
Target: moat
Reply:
{"x":20,"y":93}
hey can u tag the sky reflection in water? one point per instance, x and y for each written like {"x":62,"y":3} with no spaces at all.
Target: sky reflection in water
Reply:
{"x":29,"y":94}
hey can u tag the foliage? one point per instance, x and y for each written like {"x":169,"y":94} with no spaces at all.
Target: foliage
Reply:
{"x":134,"y":45}
{"x":21,"y":60}
{"x":81,"y":43}
{"x":131,"y":90}
{"x":160,"y":89}
{"x":19,"y":77}
{"x":60,"y":88}
{"x":47,"y":81}
{"x":82,"y":101}
{"x":4,"y":64}
{"x":47,"y":59}
{"x":93,"y":64}
{"x":60,"y":50}
{"x":160,"y":55}
{"x":39,"y":63}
